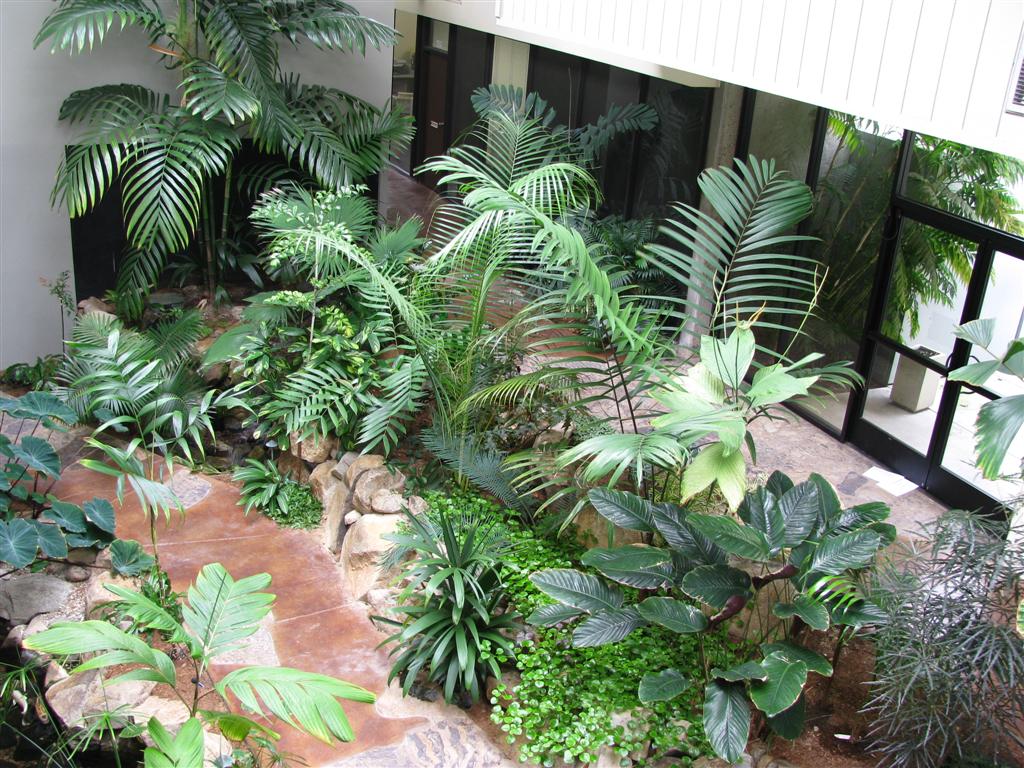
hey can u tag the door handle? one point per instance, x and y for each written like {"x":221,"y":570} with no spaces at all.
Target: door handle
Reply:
{"x":435,"y":124}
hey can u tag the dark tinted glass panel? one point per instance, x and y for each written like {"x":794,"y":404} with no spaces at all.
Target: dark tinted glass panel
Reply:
{"x":783,"y":130}
{"x":672,"y":155}
{"x":471,"y":58}
{"x":973,"y":183}
{"x":557,"y":77}
{"x":403,"y":74}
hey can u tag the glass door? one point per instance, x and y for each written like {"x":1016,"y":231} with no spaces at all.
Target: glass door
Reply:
{"x":909,"y":415}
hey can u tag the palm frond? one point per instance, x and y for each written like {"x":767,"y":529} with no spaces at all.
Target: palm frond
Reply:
{"x":483,"y":467}
{"x":401,"y":393}
{"x":209,"y":92}
{"x":77,"y":24}
{"x":735,"y":267}
{"x":136,"y":277}
{"x":330,"y":24}
{"x":594,"y":138}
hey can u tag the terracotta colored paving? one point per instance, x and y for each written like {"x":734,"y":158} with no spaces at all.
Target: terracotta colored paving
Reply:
{"x":315,"y":626}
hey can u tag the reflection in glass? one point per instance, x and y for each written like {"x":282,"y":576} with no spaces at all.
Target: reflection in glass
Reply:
{"x":973,"y":183}
{"x":783,"y":129}
{"x":672,"y":154}
{"x":903,"y":398}
{"x":403,"y":74}
{"x":928,"y":289}
{"x":959,"y":456}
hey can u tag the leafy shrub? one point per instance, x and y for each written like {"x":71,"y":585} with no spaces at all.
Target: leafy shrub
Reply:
{"x":32,"y":520}
{"x":798,"y":535}
{"x":453,"y":631}
{"x":263,"y":487}
{"x":950,"y":663}
{"x":301,"y":508}
{"x":37,"y":375}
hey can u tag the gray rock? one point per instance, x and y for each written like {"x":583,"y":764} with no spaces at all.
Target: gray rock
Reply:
{"x":373,"y":480}
{"x":337,"y":503}
{"x":171,"y":713}
{"x":24,"y":597}
{"x":361,"y":550}
{"x":352,"y":517}
{"x":322,"y":478}
{"x":68,"y":572}
{"x":360,"y":465}
{"x":82,"y":556}
{"x":54,"y":674}
{"x":84,"y":694}
{"x":13,"y":639}
{"x":313,"y":449}
{"x":417,"y":505}
{"x":96,"y":593}
{"x":386,"y":502}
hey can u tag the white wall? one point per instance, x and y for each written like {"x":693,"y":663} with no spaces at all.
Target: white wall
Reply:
{"x":942,"y":67}
{"x":35,"y":239}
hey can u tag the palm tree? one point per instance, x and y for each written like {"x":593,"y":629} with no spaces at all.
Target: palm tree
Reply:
{"x":167,"y":155}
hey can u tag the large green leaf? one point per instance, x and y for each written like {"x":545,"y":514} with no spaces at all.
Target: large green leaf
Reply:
{"x":18,"y":542}
{"x":605,"y":627}
{"x":38,"y":455}
{"x":100,"y":513}
{"x":639,"y":566}
{"x":68,"y":516}
{"x":550,"y":615}
{"x":716,"y":464}
{"x":715,"y":584}
{"x":674,"y":614}
{"x":799,"y":507}
{"x":183,"y":749}
{"x":626,"y":510}
{"x":151,"y":615}
{"x":729,"y":360}
{"x":115,"y":647}
{"x":221,"y":612}
{"x":735,"y":538}
{"x":774,"y":384}
{"x":727,"y":719}
{"x":999,"y":422}
{"x":790,"y":724}
{"x":304,"y":700}
{"x":43,"y":407}
{"x":210,"y":93}
{"x":814,"y":661}
{"x":670,"y":520}
{"x":127,"y":557}
{"x":580,"y":590}
{"x":847,"y":550}
{"x":783,"y":687}
{"x":662,"y":686}
{"x":760,"y":511}
{"x":810,"y":611}
{"x":51,"y":539}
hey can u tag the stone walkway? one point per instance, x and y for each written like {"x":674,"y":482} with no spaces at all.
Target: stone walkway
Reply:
{"x":314,"y":625}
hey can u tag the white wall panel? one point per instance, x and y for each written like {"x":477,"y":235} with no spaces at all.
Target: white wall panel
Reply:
{"x":936,"y":66}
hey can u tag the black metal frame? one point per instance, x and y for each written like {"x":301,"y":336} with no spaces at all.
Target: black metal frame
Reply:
{"x":926,"y":470}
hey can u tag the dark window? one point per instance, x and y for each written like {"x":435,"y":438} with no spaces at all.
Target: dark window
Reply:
{"x":472,"y":57}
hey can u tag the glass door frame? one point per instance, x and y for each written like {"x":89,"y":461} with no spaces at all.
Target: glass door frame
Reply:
{"x":928,"y":470}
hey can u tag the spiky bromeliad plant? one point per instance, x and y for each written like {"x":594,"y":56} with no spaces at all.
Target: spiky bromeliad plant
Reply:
{"x":166,"y":155}
{"x":796,"y":534}
{"x":219,"y":614}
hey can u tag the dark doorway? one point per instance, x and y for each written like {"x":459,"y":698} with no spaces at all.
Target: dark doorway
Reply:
{"x":432,"y":87}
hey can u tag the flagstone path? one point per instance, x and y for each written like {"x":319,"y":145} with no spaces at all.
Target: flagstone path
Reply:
{"x":314,"y":625}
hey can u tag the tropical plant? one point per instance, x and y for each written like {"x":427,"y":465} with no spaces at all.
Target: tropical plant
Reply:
{"x":263,"y":487}
{"x":453,"y":631}
{"x":35,"y":524}
{"x":167,"y":156}
{"x":219,"y":613}
{"x":949,"y":664}
{"x":795,"y":534}
{"x":141,"y":383}
{"x":37,"y":375}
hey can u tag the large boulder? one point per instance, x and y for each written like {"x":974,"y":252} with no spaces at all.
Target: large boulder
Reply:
{"x":373,"y":480}
{"x":360,"y":465}
{"x":337,"y":504}
{"x":313,"y":449}
{"x":77,"y":697}
{"x":361,"y":551}
{"x":386,"y":502}
{"x":322,"y":478}
{"x":24,"y":597}
{"x":97,"y":594}
{"x":293,"y":467}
